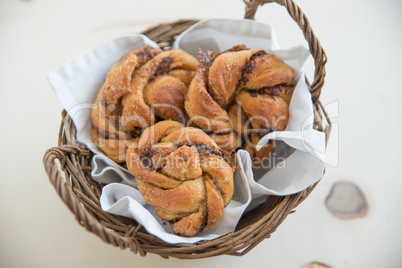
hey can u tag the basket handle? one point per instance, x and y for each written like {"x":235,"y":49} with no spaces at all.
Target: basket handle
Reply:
{"x":55,"y":174}
{"x":318,"y":53}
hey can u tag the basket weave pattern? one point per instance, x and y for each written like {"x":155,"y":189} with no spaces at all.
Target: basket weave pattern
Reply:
{"x":69,"y":166}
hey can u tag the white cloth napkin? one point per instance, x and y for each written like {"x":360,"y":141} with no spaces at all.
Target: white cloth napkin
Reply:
{"x":302,"y":149}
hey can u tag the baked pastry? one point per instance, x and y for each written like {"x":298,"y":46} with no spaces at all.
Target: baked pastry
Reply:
{"x":158,"y":89}
{"x":144,"y":86}
{"x":257,"y":113}
{"x":241,"y":90}
{"x":108,"y":132}
{"x":181,"y":172}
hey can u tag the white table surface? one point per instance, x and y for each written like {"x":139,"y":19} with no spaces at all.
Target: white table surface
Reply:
{"x":363,"y":41}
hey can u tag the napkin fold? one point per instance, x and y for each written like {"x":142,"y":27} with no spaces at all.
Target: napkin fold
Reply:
{"x":300,"y":157}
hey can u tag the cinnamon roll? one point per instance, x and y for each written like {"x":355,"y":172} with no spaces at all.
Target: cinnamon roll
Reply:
{"x":181,"y":172}
{"x":241,"y":90}
{"x":144,"y":86}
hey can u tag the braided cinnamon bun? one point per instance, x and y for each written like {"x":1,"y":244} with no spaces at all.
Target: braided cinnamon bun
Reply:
{"x":241,"y":94}
{"x":181,"y":172}
{"x":145,"y":85}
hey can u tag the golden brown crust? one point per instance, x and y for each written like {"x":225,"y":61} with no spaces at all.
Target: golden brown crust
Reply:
{"x":166,"y":93}
{"x":241,"y":90}
{"x":107,"y":132}
{"x":264,"y":111}
{"x":225,"y":74}
{"x":202,"y":109}
{"x":255,"y":114}
{"x":228,"y":142}
{"x":114,"y":147}
{"x":136,"y":112}
{"x":183,"y":75}
{"x":181,"y":172}
{"x":142,"y":78}
{"x":183,"y":164}
{"x":267,"y":71}
{"x":119,"y":76}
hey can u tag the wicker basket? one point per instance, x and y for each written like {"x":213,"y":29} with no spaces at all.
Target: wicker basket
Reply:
{"x":69,"y":166}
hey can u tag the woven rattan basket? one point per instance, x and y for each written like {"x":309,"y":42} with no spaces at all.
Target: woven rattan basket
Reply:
{"x":69,"y":166}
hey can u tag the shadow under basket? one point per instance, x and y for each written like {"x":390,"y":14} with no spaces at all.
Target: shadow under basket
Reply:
{"x":69,"y":169}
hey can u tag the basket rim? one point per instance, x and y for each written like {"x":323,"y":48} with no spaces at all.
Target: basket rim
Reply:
{"x":71,"y":175}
